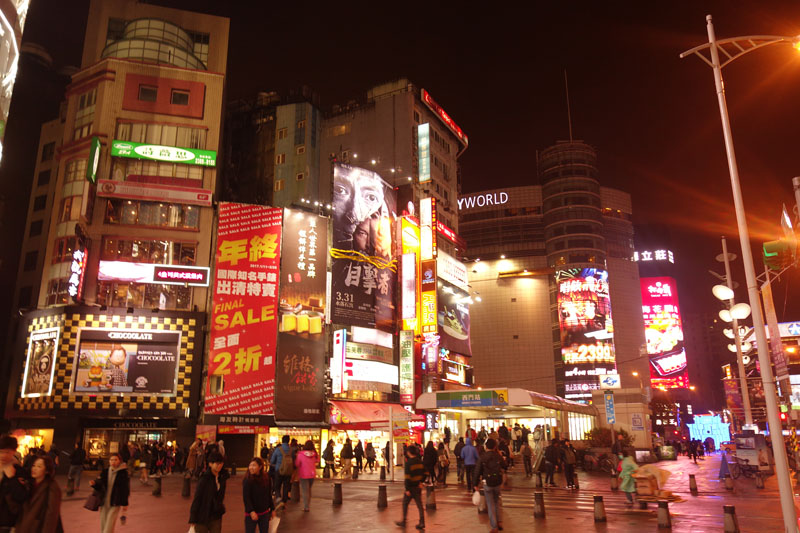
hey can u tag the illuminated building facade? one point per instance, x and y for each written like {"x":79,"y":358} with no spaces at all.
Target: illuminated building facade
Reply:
{"x":560,"y":295}
{"x":115,"y":350}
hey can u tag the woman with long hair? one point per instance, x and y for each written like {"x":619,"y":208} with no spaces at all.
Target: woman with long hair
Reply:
{"x":306,"y":463}
{"x":257,"y":493}
{"x":41,"y":513}
{"x":330,"y":458}
{"x":114,"y":487}
{"x":430,"y":458}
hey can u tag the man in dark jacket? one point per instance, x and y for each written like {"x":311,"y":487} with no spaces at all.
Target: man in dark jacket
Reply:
{"x":459,"y":460}
{"x":282,"y":482}
{"x":13,"y":484}
{"x":76,"y":460}
{"x":347,"y":458}
{"x":490,"y":467}
{"x":208,"y":505}
{"x":552,"y":457}
{"x":414,"y":476}
{"x":359,"y":453}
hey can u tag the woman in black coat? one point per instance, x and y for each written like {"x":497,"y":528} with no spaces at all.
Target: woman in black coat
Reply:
{"x":114,"y":487}
{"x":429,"y":459}
{"x":208,"y":505}
{"x":257,"y":494}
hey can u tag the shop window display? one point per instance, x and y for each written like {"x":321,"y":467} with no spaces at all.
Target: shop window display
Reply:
{"x":153,"y":214}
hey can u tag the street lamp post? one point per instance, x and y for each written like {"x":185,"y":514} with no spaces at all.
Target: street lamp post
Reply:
{"x":770,"y":391}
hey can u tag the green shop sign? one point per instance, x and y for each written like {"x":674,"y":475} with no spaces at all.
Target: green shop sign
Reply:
{"x":168,"y":154}
{"x":94,"y":160}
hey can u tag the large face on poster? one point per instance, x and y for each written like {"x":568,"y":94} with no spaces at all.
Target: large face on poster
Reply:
{"x":12,"y":22}
{"x":241,"y":369}
{"x":136,"y":361}
{"x":664,"y":333}
{"x":364,"y":268}
{"x":453,"y":318}
{"x":40,"y":364}
{"x":587,"y":334}
{"x":301,"y":338}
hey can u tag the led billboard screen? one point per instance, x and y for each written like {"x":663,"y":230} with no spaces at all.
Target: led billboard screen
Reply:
{"x":587,"y":334}
{"x":664,"y":333}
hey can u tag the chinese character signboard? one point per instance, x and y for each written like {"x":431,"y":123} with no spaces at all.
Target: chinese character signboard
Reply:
{"x":424,"y":151}
{"x":77,"y":273}
{"x":168,"y":154}
{"x":587,"y":333}
{"x":407,"y":367}
{"x":664,"y":333}
{"x":40,"y":364}
{"x":299,"y":384}
{"x":364,"y":268}
{"x":241,"y":368}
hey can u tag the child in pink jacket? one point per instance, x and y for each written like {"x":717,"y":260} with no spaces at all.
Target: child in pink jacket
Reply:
{"x":306,"y":463}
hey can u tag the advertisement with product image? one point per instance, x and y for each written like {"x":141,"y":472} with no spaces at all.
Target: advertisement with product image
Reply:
{"x":664,"y":333}
{"x":453,"y":318}
{"x":40,"y":364}
{"x":126,"y":360}
{"x":364,"y":267}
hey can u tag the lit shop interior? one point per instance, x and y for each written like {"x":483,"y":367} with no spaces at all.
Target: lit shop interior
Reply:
{"x":492,"y":407}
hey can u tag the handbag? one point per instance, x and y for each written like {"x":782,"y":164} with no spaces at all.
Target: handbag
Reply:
{"x":92,"y":502}
{"x":476,"y":498}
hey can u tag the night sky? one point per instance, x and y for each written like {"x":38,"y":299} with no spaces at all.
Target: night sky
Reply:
{"x":499,"y":72}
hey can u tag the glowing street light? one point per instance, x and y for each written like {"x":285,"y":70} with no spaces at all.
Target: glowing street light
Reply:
{"x":722,"y":292}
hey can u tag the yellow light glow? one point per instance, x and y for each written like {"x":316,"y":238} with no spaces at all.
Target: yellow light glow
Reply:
{"x":635,"y":374}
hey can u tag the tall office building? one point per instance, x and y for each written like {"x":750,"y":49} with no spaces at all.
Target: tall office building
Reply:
{"x":560,"y":294}
{"x":115,"y":350}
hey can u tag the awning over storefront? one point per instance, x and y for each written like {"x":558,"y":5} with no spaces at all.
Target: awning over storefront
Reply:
{"x":494,"y":399}
{"x":367,"y":415}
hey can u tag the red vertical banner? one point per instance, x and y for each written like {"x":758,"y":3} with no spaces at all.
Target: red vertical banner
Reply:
{"x":241,"y":366}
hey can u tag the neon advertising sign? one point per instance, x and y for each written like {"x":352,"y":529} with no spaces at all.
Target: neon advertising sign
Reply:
{"x":444,"y":117}
{"x":587,"y":332}
{"x":664,"y":333}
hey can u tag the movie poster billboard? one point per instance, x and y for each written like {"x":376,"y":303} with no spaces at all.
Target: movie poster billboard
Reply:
{"x":453,"y":318}
{"x":241,"y":368}
{"x":587,"y":333}
{"x":136,"y":361}
{"x":40,"y":363}
{"x":364,"y":268}
{"x":299,"y":382}
{"x":664,"y":333}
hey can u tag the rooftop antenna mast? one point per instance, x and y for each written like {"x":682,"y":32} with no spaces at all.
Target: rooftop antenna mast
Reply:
{"x":569,"y":114}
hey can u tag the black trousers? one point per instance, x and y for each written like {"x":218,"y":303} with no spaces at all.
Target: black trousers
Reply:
{"x":416,"y":495}
{"x":470,"y":471}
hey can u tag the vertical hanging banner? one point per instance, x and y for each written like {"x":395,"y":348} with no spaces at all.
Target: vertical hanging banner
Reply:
{"x":241,"y":367}
{"x":299,"y":378}
{"x":364,"y":269}
{"x":407,"y":367}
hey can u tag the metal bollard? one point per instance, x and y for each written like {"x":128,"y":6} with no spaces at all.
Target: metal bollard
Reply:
{"x":337,"y":493}
{"x":383,"y":473}
{"x":692,"y":484}
{"x":482,"y":509}
{"x":614,"y":482}
{"x":382,"y":499}
{"x":759,"y":480}
{"x":728,"y":482}
{"x":430,"y":497}
{"x":294,"y":495}
{"x":157,"y":486}
{"x":355,"y":472}
{"x":70,"y":486}
{"x":539,"y":480}
{"x":186,"y":492}
{"x":599,"y":509}
{"x":730,"y":524}
{"x":538,"y":504}
{"x":664,"y":520}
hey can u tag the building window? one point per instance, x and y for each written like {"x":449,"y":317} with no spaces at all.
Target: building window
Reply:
{"x":43,"y":179}
{"x":48,"y":150}
{"x":145,"y":251}
{"x":278,"y":185}
{"x":179,"y":97}
{"x":280,"y":159}
{"x":152,"y":214}
{"x":40,"y":202}
{"x":36,"y":228}
{"x":57,"y":291}
{"x":30,"y":261}
{"x":166,"y":134}
{"x":24,"y":297}
{"x":341,"y":129}
{"x":301,"y":124}
{"x":148,"y":93}
{"x":146,"y":295}
{"x":84,"y":118}
{"x":75,"y":171}
{"x":283,"y":133}
{"x":300,"y":177}
{"x":62,"y":251}
{"x":416,"y":116}
{"x":122,"y":168}
{"x":301,"y":149}
{"x":70,"y":209}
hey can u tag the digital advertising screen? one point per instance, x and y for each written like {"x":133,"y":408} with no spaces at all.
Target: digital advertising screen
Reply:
{"x":587,"y":332}
{"x":364,"y":268}
{"x":664,"y":333}
{"x":136,"y":361}
{"x":453,"y":318}
{"x":40,"y":364}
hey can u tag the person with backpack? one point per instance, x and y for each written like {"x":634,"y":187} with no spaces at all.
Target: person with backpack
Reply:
{"x":430,"y":459}
{"x":490,"y":469}
{"x":282,"y":465}
{"x":459,"y":460}
{"x":470,"y":456}
{"x":527,"y":456}
{"x":414,"y":477}
{"x":330,"y":458}
{"x":347,"y":458}
{"x":570,"y":457}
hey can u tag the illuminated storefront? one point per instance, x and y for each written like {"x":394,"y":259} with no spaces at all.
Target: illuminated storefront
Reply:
{"x":664,"y":333}
{"x":587,"y":333}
